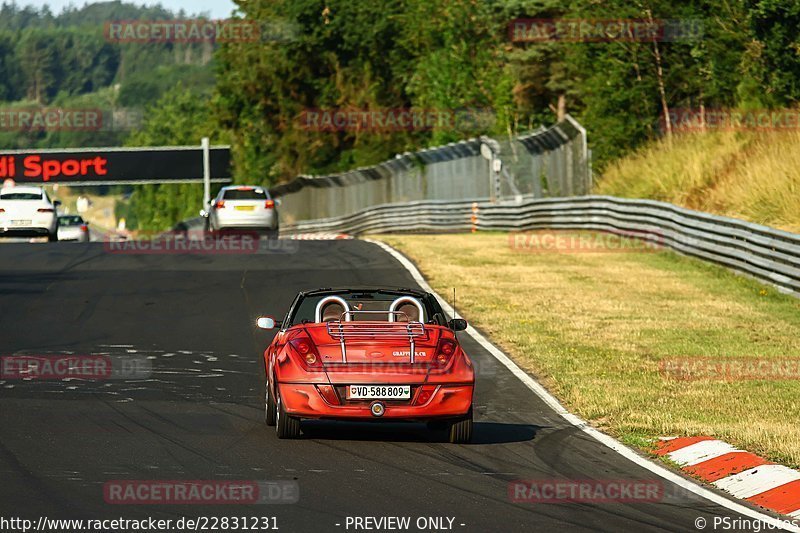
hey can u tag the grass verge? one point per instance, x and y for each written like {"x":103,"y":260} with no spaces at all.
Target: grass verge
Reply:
{"x":596,"y":329}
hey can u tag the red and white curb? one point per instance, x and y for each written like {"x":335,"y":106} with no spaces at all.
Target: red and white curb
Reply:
{"x":742,"y":474}
{"x":318,"y":236}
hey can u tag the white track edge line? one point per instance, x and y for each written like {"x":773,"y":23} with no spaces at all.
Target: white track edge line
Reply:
{"x":581,"y":424}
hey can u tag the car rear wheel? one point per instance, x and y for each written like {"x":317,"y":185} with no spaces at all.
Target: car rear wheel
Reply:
{"x":287,"y":427}
{"x":270,"y":414}
{"x":461,"y":430}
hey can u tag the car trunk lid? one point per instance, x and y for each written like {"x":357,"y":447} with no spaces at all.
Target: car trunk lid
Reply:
{"x":22,"y":209}
{"x":363,"y":351}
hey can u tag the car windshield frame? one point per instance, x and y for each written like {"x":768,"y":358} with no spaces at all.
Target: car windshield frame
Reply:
{"x":433,"y":311}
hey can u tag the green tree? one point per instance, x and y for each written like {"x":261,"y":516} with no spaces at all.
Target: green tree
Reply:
{"x":776,"y":26}
{"x":180,"y":117}
{"x":38,"y":58}
{"x":10,"y":75}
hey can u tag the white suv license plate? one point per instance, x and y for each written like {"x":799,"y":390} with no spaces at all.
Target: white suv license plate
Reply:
{"x":379,"y":392}
{"x":20,"y":222}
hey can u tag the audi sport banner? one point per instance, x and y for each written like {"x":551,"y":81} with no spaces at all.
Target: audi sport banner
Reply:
{"x":109,"y":166}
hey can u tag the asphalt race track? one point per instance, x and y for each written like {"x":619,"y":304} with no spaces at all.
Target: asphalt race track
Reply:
{"x":199,"y":415}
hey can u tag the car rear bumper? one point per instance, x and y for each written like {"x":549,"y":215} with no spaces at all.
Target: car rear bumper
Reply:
{"x":230,"y":220}
{"x":448,"y":401}
{"x":25,"y":231}
{"x":72,"y":235}
{"x":39,"y":224}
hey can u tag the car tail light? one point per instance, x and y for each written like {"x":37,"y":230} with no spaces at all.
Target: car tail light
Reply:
{"x":2,"y":210}
{"x":425,"y":393}
{"x":45,"y":210}
{"x":329,"y":393}
{"x":84,"y":228}
{"x":219,"y":204}
{"x":307,"y":352}
{"x":445,"y":351}
{"x":269,"y":204}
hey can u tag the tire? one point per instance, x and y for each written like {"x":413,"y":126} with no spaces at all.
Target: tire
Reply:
{"x":287,"y":427}
{"x":461,"y":430}
{"x":270,"y":415}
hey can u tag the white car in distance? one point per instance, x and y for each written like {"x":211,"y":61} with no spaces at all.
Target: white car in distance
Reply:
{"x":27,"y":211}
{"x":73,"y":228}
{"x":243,"y":207}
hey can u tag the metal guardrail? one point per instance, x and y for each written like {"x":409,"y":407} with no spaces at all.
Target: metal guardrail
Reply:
{"x":767,"y":254}
{"x":551,"y":161}
{"x":447,"y":172}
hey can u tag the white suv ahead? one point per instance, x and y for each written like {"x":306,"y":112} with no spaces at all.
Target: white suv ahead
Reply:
{"x":26,"y":212}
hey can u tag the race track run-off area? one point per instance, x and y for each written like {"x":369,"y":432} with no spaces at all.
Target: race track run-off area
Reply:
{"x":196,"y":411}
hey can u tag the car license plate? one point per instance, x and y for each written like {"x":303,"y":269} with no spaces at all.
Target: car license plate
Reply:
{"x":20,"y":222}
{"x":245,"y":207}
{"x":379,"y":392}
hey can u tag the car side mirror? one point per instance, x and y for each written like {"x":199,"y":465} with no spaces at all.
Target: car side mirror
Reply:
{"x":265,"y":322}
{"x":457,"y":324}
{"x":57,"y":203}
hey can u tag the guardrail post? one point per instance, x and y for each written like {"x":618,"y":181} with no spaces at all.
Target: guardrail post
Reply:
{"x":206,"y":173}
{"x":497,"y":166}
{"x":474,"y":217}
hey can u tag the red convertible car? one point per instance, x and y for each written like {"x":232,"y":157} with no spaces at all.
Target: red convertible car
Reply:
{"x":368,"y":354}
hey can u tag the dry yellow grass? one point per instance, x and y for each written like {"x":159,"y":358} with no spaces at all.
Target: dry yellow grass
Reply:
{"x":594,"y":327}
{"x":749,"y":175}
